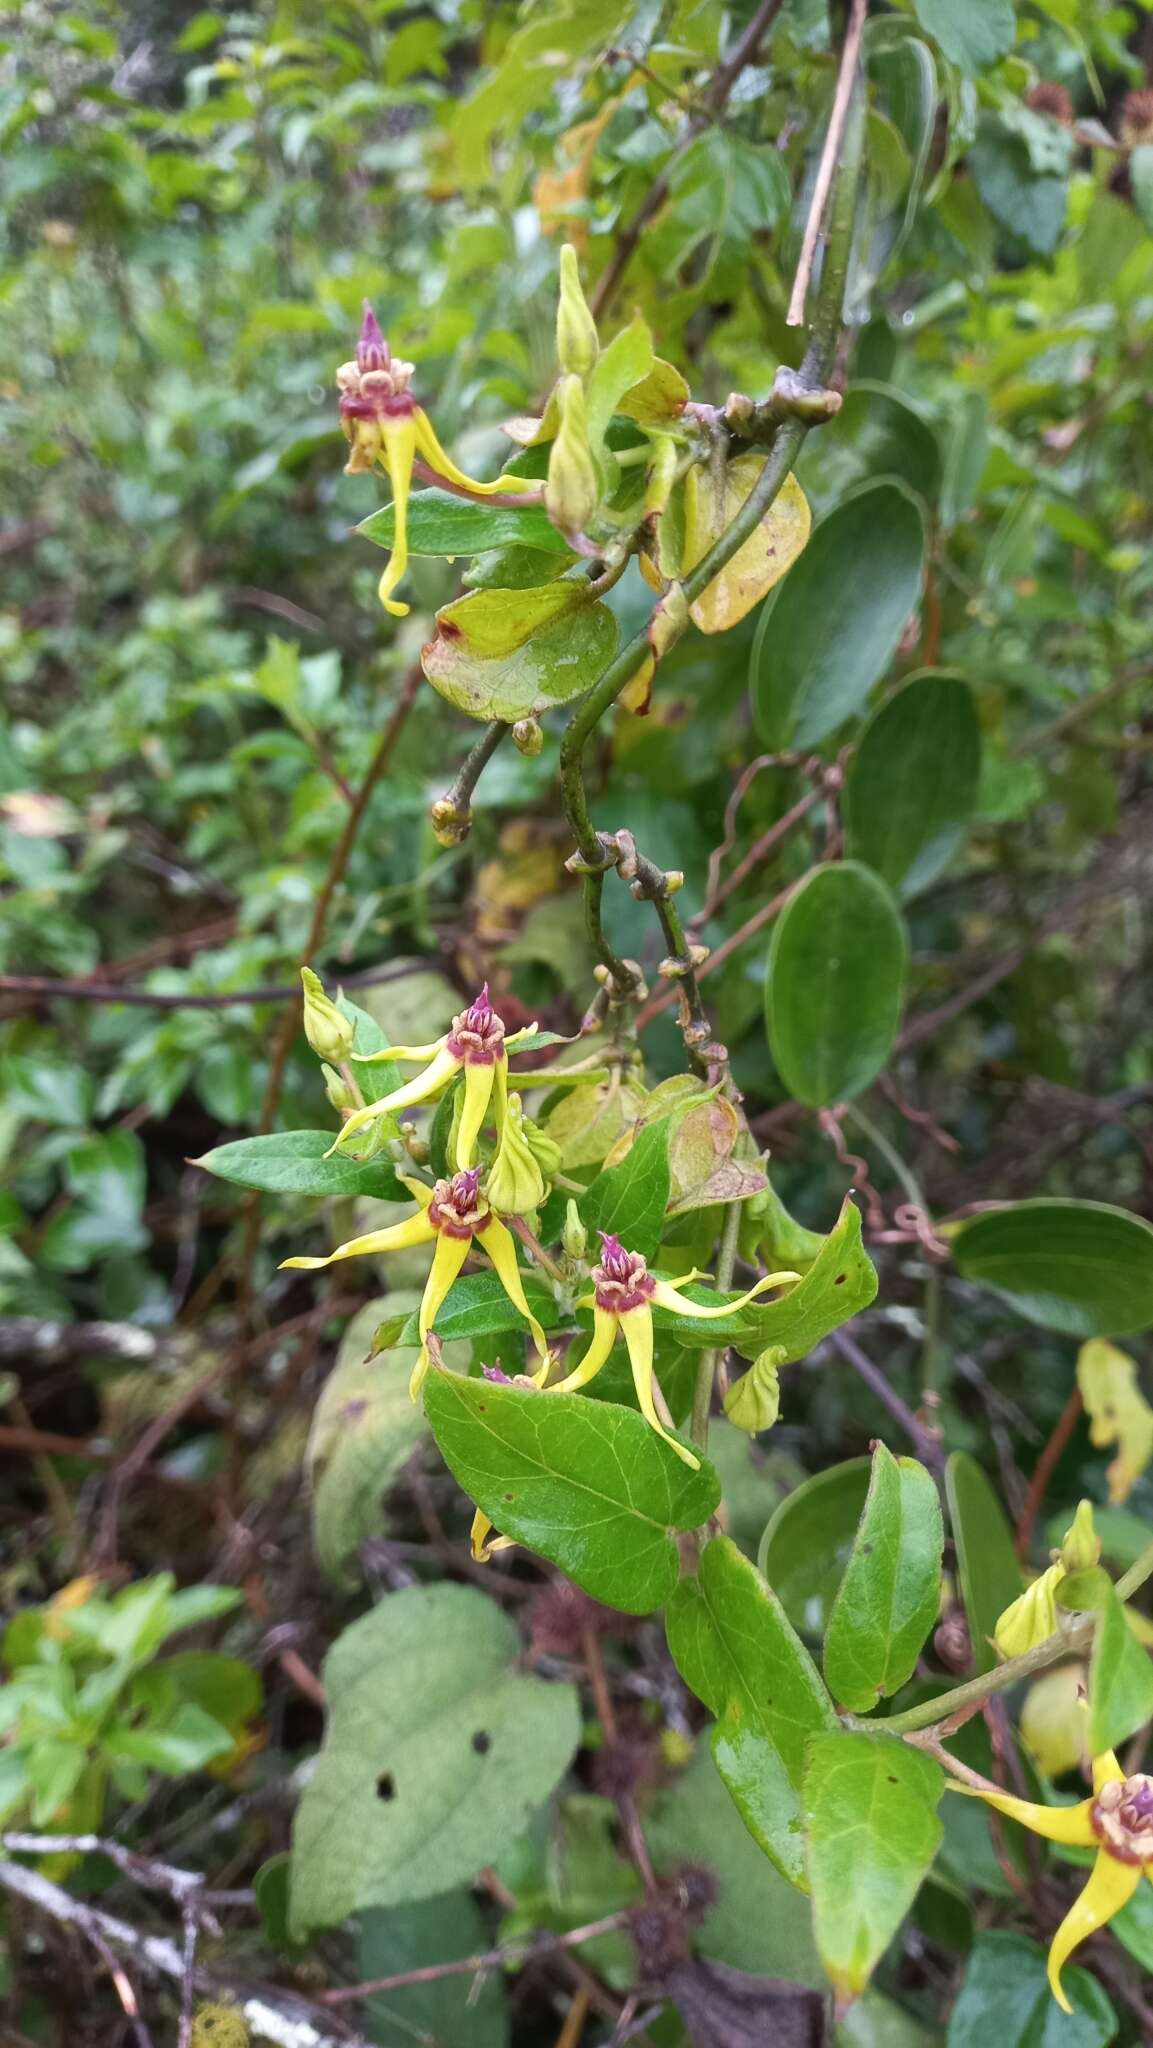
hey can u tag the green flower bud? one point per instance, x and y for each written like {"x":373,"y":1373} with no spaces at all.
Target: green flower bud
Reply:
{"x":571,"y":492}
{"x":528,"y":735}
{"x":515,"y":1182}
{"x":754,"y":1401}
{"x":544,"y":1149}
{"x":338,"y":1091}
{"x":1081,"y":1549}
{"x":574,"y":1237}
{"x":577,"y":346}
{"x":1032,"y":1618}
{"x":328,"y":1031}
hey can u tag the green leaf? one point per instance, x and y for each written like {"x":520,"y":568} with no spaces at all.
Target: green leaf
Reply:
{"x":877,"y":432}
{"x":808,"y":1540}
{"x":437,"y":1752}
{"x":1083,"y":1268}
{"x":891,"y":1592}
{"x":626,"y":361}
{"x":757,"y":1921}
{"x":872,"y":1832}
{"x":972,"y":33}
{"x":546,"y":667}
{"x":1027,"y":200}
{"x":293,"y":1163}
{"x":377,"y":1080}
{"x":840,"y":1281}
{"x":629,"y":1200}
{"x":986,"y":1560}
{"x":830,"y":630}
{"x":1005,"y":1997}
{"x":733,"y":1645}
{"x":835,"y":984}
{"x":1141,"y":180}
{"x":912,"y":785}
{"x":1120,"y":1670}
{"x":441,"y":524}
{"x":188,"y":1741}
{"x":722,"y":191}
{"x":477,"y":1306}
{"x":364,"y":1426}
{"x":448,"y":2010}
{"x":584,"y":1483}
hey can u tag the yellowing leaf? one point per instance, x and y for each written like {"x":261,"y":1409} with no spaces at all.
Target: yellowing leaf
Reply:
{"x":712,"y":500}
{"x":560,"y":196}
{"x":1118,"y":1412}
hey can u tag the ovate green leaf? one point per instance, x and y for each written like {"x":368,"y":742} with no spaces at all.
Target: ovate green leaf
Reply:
{"x":441,"y":524}
{"x":1120,"y":1671}
{"x":872,"y":1831}
{"x":912,"y":785}
{"x":479,"y":664}
{"x":808,"y":1540}
{"x":891,"y":1592}
{"x":1083,"y":1268}
{"x":986,"y":1560}
{"x":836,"y":983}
{"x":585,"y":1483}
{"x":732,"y":1643}
{"x":293,"y":1163}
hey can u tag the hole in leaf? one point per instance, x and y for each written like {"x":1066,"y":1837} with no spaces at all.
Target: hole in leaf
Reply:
{"x":840,"y":1279}
{"x":386,"y":1786}
{"x":510,"y":1497}
{"x":482,"y":1742}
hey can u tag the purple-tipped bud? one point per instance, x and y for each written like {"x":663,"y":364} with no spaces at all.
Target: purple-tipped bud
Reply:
{"x":615,"y":1262}
{"x":465,"y":1185}
{"x":372,"y":350}
{"x":479,"y":1012}
{"x":493,"y":1372}
{"x":477,"y":1035}
{"x":457,"y":1205}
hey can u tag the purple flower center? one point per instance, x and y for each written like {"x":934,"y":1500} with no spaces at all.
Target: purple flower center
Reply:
{"x":458,"y":1208}
{"x":477,"y":1035}
{"x":372,"y":350}
{"x":1123,"y":1818}
{"x":621,"y":1279}
{"x":493,"y":1372}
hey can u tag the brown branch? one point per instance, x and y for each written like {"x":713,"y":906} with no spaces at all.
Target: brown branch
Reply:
{"x":515,"y":1952}
{"x":752,"y":925}
{"x":925,"y":1444}
{"x":1043,"y":1471}
{"x":52,"y":988}
{"x":846,"y":77}
{"x":716,"y":101}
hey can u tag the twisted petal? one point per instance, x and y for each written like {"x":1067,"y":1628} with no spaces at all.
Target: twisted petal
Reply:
{"x":402,"y":1052}
{"x":434,"y":455}
{"x":665,"y":1293}
{"x":400,"y":441}
{"x":500,"y":1247}
{"x":1111,"y":1885}
{"x":396,"y":1238}
{"x":420,"y":1089}
{"x":637,"y":1331}
{"x":1070,"y":1824}
{"x":451,"y":1253}
{"x":478,"y":1082}
{"x":604,"y":1336}
{"x":482,"y":1548}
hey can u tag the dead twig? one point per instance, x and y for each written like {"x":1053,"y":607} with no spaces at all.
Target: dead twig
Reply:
{"x":846,"y":78}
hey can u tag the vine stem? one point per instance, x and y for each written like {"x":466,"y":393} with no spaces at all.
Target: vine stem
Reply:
{"x":975,"y":1691}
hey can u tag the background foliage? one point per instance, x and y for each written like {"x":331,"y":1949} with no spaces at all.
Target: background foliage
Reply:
{"x":950,"y":688}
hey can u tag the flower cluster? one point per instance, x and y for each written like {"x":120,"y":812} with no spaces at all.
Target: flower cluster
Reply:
{"x":384,"y":424}
{"x":1117,"y":1821}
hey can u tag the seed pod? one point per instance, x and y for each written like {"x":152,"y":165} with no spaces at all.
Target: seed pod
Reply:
{"x":577,"y":346}
{"x":571,"y":492}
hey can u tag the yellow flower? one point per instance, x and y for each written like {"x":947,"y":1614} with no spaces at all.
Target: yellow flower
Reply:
{"x":476,"y":1042}
{"x":456,"y":1216}
{"x":623,"y":1294}
{"x":383,"y":423}
{"x":1117,"y":1821}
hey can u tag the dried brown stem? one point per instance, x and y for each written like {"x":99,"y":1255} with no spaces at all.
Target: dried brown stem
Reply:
{"x":846,"y":76}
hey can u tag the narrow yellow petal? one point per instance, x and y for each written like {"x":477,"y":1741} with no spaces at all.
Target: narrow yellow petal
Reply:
{"x":400,"y":438}
{"x":396,"y":1238}
{"x":420,"y":1089}
{"x":500,"y":1247}
{"x":401,"y":1052}
{"x":637,"y":1331}
{"x":1071,"y":1824}
{"x":1106,"y":1770}
{"x":483,"y":1543}
{"x":451,"y":1253}
{"x":434,"y":455}
{"x":666,"y":1295}
{"x":478,"y":1082}
{"x":603,"y":1338}
{"x":1111,"y":1885}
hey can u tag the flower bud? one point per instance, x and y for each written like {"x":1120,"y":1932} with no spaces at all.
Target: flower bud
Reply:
{"x":515,"y":1182}
{"x":577,"y":346}
{"x":528,"y":735}
{"x":574,"y":1237}
{"x":1081,"y":1549}
{"x":544,"y":1149}
{"x":754,"y":1401}
{"x":328,"y":1031}
{"x":571,"y":492}
{"x":451,"y":824}
{"x":1032,"y":1618}
{"x":338,"y":1091}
